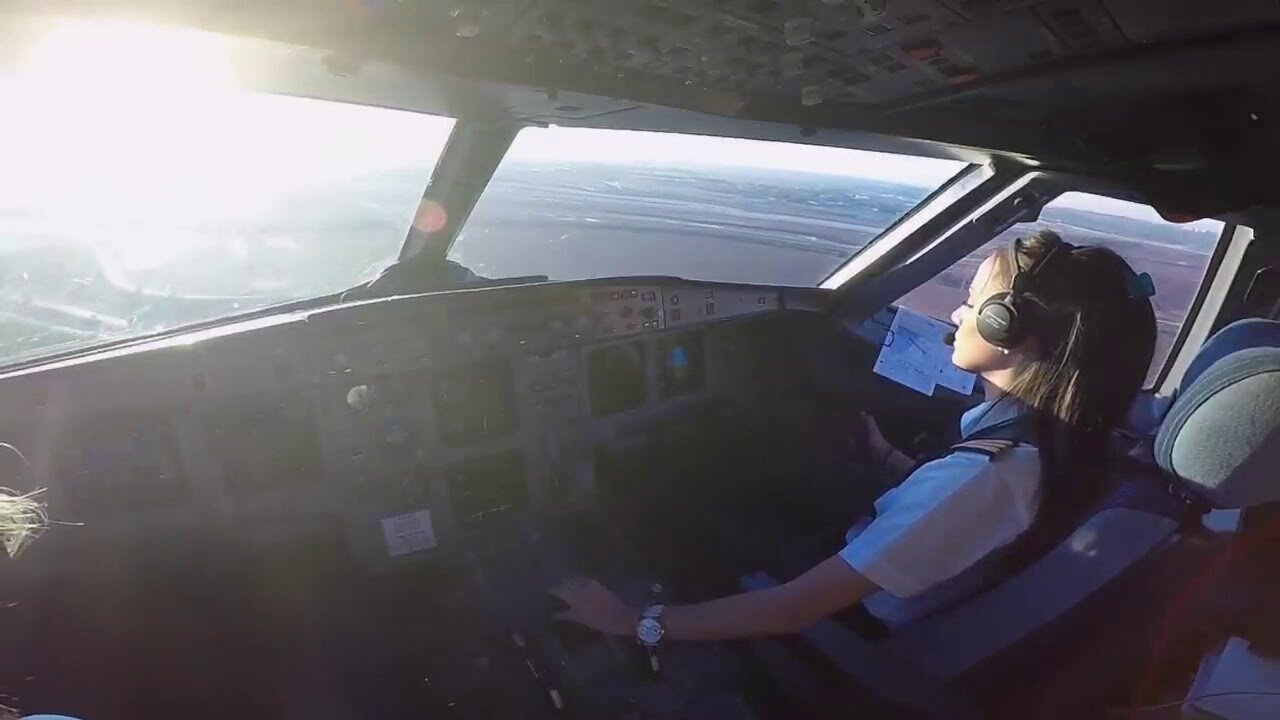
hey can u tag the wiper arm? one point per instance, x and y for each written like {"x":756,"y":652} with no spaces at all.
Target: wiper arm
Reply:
{"x":407,"y":277}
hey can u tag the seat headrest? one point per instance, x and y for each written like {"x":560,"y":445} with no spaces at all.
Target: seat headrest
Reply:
{"x":1227,"y":406}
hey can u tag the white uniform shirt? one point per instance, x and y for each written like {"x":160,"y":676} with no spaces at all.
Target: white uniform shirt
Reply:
{"x":943,"y":519}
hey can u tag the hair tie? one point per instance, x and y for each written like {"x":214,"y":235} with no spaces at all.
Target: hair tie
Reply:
{"x":1141,"y":286}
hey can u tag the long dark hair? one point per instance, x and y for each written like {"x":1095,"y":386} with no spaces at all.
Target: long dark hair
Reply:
{"x":1090,"y":342}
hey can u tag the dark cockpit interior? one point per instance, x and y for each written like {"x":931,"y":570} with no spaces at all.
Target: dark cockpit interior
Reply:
{"x":347,"y":497}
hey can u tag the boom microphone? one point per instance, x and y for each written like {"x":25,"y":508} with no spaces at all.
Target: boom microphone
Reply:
{"x":949,"y":339}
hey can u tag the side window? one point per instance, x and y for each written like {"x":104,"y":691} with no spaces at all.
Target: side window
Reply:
{"x":1176,"y":256}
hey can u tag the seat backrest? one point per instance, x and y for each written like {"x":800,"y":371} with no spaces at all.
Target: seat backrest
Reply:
{"x":957,"y":640}
{"x":1227,"y":411}
{"x":1211,"y":440}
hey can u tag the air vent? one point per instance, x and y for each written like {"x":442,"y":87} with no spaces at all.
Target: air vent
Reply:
{"x":913,"y":19}
{"x":878,"y":29}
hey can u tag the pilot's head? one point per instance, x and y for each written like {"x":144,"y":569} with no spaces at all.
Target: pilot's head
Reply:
{"x":1083,"y":336}
{"x":22,"y":517}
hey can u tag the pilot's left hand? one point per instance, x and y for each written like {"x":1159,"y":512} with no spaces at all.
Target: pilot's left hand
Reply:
{"x":595,"y":606}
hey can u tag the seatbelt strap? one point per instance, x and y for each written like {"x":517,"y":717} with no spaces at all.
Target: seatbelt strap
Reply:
{"x":992,"y":441}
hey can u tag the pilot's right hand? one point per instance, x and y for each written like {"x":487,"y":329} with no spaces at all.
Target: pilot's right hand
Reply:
{"x":870,"y":442}
{"x":596,"y":606}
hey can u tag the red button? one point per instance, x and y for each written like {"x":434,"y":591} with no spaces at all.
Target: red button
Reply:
{"x":923,"y":51}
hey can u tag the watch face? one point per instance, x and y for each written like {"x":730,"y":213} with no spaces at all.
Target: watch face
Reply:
{"x":649,"y":631}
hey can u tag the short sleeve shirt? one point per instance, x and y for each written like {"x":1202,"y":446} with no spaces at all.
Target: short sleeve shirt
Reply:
{"x":946,"y":516}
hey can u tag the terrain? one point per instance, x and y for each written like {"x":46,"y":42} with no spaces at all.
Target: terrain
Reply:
{"x":68,"y":280}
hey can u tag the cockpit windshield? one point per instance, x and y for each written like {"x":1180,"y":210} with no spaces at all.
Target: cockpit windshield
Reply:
{"x":130,"y":209}
{"x":573,"y":203}
{"x":140,"y":191}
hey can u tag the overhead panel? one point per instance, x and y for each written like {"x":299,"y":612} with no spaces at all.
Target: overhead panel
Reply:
{"x":968,"y":50}
{"x":1081,"y":27}
{"x":1149,"y":21}
{"x":725,"y":55}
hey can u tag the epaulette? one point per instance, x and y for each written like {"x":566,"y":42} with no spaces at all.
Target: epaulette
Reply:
{"x":990,"y":448}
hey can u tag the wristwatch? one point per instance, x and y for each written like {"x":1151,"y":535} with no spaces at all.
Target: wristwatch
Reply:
{"x":649,"y":629}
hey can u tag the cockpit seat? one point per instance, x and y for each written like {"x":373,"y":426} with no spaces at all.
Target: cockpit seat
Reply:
{"x":1214,"y":446}
{"x":1228,"y":404}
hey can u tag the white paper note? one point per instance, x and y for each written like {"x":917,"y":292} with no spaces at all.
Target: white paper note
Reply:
{"x":408,"y":533}
{"x":915,"y":355}
{"x":950,"y":376}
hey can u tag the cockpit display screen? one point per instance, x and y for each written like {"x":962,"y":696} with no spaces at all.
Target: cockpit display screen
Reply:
{"x":475,"y":404}
{"x":616,"y":378}
{"x":265,"y":444}
{"x":484,"y":487}
{"x":682,"y":370}
{"x":127,"y":465}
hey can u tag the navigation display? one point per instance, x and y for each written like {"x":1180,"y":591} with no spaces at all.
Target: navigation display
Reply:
{"x":265,"y":445}
{"x":616,"y":378}
{"x":131,"y":464}
{"x":682,"y":371}
{"x":482,"y":487}
{"x":475,"y":404}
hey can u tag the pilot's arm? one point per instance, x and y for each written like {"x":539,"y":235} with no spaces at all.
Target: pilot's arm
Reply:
{"x":946,"y":516}
{"x":791,"y":607}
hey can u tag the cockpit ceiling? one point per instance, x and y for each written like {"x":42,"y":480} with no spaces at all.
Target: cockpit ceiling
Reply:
{"x":1139,"y":89}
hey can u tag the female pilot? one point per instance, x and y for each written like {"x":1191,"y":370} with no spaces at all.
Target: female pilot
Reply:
{"x":1062,"y":345}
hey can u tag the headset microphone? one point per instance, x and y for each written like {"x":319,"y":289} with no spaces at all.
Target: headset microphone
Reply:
{"x":949,"y":339}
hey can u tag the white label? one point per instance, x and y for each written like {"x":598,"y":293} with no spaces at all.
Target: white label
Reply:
{"x":408,"y":533}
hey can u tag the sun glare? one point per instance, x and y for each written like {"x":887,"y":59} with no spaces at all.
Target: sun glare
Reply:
{"x":109,"y":107}
{"x":114,"y":62}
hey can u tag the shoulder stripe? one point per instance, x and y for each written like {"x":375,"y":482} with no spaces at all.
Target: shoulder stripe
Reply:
{"x":989,"y":448}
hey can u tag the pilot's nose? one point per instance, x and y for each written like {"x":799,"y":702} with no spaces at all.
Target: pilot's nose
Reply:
{"x":957,"y":315}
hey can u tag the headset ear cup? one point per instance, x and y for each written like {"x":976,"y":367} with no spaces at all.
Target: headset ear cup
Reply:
{"x":997,"y":321}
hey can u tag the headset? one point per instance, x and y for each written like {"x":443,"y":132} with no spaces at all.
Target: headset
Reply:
{"x":1002,"y":318}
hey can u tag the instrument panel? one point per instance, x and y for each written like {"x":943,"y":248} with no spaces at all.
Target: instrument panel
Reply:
{"x":412,"y":421}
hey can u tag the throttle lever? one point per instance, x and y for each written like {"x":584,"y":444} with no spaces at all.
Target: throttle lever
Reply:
{"x":534,"y":661}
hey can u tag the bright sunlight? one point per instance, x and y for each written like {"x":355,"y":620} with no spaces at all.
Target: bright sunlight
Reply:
{"x":115,"y":123}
